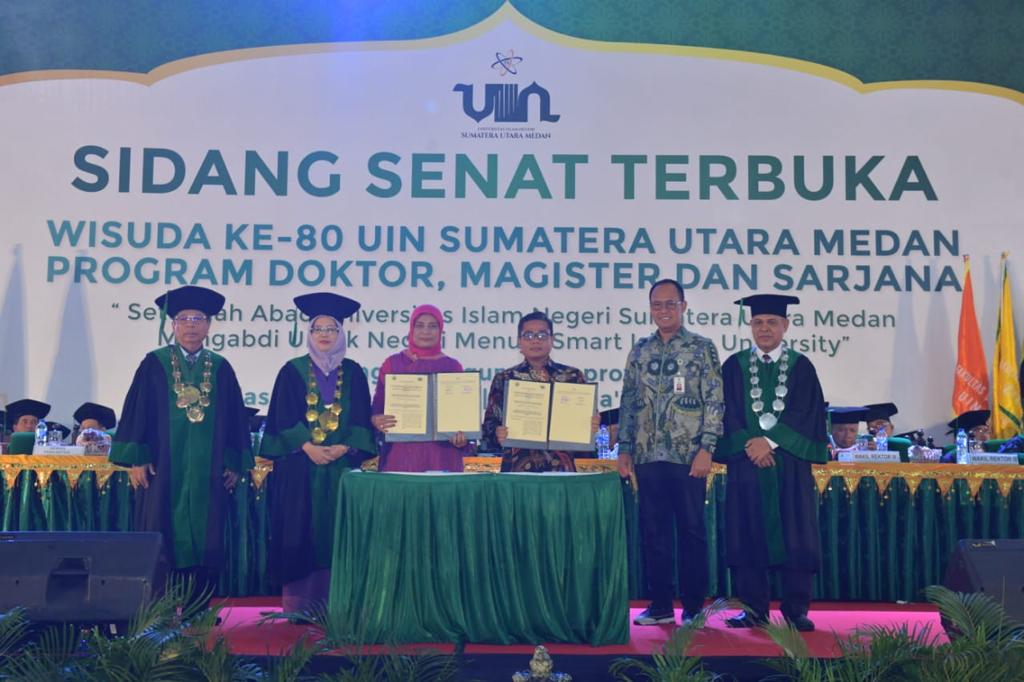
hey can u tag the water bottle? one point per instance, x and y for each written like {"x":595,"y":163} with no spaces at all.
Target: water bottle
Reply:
{"x":882,"y":440}
{"x":963,"y":454}
{"x":41,"y":433}
{"x":602,"y":442}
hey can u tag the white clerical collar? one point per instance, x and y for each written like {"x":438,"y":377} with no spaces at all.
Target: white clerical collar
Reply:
{"x":774,"y":354}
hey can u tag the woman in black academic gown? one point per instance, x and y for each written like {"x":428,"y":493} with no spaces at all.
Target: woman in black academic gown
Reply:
{"x":317,"y":428}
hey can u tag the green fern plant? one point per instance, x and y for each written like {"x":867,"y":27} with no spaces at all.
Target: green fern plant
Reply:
{"x":985,"y":644}
{"x":875,"y":653}
{"x":671,"y":663}
{"x":51,"y":657}
{"x":359,"y":663}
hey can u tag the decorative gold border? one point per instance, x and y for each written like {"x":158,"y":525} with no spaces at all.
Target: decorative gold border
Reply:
{"x":944,"y":475}
{"x":509,"y":13}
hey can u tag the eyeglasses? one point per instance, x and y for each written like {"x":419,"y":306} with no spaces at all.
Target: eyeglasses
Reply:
{"x":191,"y":319}
{"x":664,"y":305}
{"x":530,"y":336}
{"x":324,"y":330}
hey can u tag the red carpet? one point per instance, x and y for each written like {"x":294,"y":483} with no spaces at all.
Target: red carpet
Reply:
{"x":834,"y":621}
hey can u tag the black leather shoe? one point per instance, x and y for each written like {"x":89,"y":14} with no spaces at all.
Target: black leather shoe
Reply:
{"x":801,"y":623}
{"x":746,"y":619}
{"x":689,"y":616}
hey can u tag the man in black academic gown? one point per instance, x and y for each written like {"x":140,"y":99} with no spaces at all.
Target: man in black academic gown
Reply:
{"x":185,"y":434}
{"x":95,"y":416}
{"x":24,"y":415}
{"x":978,"y":426}
{"x":774,"y":431}
{"x":844,"y":424}
{"x":879,"y":416}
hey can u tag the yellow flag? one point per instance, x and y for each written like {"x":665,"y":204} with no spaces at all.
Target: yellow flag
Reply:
{"x":1006,"y":408}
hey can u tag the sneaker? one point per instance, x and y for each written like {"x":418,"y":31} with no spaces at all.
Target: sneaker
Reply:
{"x":655,"y":616}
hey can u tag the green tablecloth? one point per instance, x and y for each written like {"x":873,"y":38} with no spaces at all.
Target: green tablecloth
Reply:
{"x":494,"y":558}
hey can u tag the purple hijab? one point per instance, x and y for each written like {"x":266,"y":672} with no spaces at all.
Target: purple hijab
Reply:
{"x":327,"y":361}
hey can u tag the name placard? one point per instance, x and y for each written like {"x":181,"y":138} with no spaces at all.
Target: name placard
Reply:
{"x":58,"y":450}
{"x":869,"y":456}
{"x":999,"y":458}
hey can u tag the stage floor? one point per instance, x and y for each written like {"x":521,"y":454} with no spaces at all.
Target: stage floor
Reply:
{"x":834,"y":621}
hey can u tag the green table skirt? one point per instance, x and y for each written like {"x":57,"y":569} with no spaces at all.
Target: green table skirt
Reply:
{"x":481,"y":558}
{"x":877,"y":546}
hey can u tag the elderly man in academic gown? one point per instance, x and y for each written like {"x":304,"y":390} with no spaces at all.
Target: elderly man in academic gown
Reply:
{"x":184,"y":432}
{"x":23,"y":415}
{"x":774,"y":431}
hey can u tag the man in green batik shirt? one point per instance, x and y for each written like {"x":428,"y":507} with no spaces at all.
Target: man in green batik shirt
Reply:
{"x":184,"y":432}
{"x":670,"y":418}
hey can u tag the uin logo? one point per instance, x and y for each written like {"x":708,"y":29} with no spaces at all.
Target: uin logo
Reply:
{"x":505,"y":101}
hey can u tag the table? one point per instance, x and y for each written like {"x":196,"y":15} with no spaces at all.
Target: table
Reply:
{"x":496,"y":558}
{"x":887,"y":529}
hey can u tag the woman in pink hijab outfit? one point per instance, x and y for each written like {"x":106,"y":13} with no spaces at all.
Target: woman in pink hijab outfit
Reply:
{"x":423,"y":356}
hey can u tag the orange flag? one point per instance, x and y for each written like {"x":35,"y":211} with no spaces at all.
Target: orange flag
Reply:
{"x":970,"y":380}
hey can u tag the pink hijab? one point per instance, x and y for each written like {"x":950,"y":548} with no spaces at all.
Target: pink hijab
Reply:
{"x":435,"y":350}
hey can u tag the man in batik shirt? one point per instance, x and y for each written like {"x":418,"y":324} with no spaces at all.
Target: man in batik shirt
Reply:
{"x":670,"y":419}
{"x":535,"y":342}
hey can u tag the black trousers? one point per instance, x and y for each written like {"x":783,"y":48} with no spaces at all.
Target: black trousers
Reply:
{"x":753,"y":589}
{"x":671,"y":499}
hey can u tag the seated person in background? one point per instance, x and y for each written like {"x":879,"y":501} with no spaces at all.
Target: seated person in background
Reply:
{"x":24,"y":415}
{"x":94,"y":423}
{"x":94,"y":416}
{"x":845,"y":424}
{"x":979,"y":429}
{"x":879,"y":416}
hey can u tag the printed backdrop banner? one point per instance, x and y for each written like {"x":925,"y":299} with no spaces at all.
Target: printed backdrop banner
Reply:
{"x":492,"y":171}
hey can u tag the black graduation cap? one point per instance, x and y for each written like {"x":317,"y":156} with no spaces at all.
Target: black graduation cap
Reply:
{"x":916,"y":437}
{"x":20,"y":408}
{"x":323,"y":303}
{"x":55,"y":426}
{"x":880,"y":411}
{"x":768,"y":304}
{"x":609,"y":417}
{"x":965,"y":421}
{"x":191,"y":298}
{"x":101,"y":413}
{"x":846,"y":415}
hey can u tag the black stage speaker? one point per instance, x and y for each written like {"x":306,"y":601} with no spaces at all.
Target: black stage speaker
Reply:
{"x":79,"y":577}
{"x":995,"y":567}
